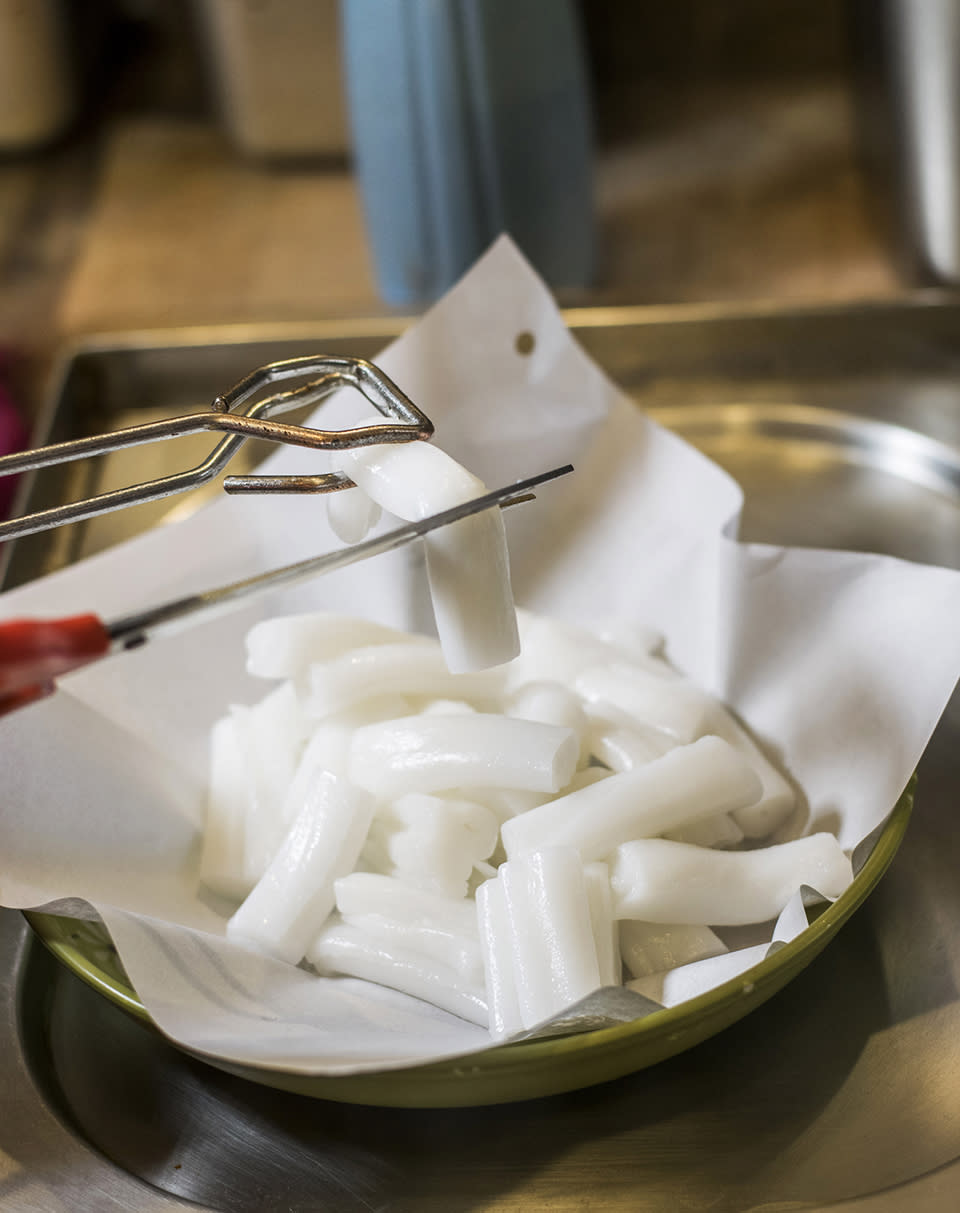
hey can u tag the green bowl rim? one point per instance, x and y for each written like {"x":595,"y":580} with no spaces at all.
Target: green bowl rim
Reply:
{"x":761,"y":981}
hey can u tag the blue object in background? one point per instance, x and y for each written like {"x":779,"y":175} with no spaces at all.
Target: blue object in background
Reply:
{"x":469,"y":118}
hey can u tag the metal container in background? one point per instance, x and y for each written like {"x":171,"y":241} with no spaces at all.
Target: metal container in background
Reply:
{"x":909,"y":94}
{"x":36,"y":77}
{"x":277,"y":75}
{"x":839,"y":1094}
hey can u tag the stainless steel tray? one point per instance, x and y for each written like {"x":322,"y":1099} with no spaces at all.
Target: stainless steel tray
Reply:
{"x":843,"y":425}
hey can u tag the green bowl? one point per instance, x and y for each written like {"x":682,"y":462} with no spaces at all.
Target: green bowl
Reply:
{"x":530,"y":1069}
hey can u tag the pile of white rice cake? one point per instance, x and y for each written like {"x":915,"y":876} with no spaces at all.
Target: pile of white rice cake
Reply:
{"x":500,"y":843}
{"x":504,"y":839}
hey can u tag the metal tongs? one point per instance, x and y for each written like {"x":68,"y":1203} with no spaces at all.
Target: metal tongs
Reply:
{"x":34,"y":652}
{"x":239,"y":416}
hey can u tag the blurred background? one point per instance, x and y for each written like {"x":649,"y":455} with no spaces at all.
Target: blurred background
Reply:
{"x":184,"y":162}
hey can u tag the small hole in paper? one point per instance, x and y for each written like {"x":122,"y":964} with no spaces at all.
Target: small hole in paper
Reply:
{"x":525,"y":343}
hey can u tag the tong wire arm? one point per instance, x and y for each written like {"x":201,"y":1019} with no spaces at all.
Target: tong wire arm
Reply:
{"x":239,"y":420}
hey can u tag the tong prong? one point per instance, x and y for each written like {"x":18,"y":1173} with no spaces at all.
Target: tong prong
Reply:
{"x":331,"y":482}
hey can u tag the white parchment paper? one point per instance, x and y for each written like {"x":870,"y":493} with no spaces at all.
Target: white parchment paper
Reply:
{"x":840,"y":663}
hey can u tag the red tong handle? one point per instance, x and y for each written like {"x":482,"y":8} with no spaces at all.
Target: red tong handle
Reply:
{"x":34,"y":652}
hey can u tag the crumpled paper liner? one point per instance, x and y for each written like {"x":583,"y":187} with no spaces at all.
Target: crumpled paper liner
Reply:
{"x":840,"y":663}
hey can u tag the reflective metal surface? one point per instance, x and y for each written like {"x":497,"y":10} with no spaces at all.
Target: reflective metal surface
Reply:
{"x":45,"y":1165}
{"x":843,"y":1088}
{"x":910,"y":69}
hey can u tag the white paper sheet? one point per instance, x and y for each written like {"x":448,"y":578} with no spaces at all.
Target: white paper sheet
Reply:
{"x":841,"y":663}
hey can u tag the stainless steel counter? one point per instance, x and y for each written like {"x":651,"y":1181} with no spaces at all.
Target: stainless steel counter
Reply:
{"x":843,"y":1088}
